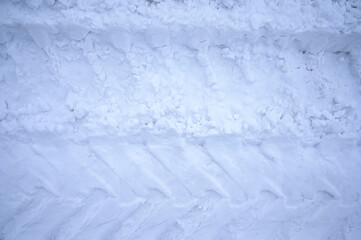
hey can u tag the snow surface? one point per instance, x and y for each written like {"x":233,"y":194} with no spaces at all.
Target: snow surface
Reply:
{"x":180,"y":119}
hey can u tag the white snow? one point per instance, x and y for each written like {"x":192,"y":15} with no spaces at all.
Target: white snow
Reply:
{"x":170,"y":119}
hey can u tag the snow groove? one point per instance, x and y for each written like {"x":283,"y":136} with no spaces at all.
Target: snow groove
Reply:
{"x":198,"y":206}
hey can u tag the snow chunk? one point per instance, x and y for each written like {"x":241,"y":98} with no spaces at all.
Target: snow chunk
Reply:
{"x":40,"y":34}
{"x":120,"y":39}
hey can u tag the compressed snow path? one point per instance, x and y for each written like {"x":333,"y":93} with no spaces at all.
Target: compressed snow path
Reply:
{"x":180,"y":119}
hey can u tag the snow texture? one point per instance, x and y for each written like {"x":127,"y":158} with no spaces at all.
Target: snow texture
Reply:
{"x":180,"y":119}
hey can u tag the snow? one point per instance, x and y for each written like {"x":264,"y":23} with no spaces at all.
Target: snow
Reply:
{"x":155,"y":119}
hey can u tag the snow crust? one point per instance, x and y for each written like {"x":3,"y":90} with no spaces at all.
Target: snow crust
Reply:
{"x":180,"y":119}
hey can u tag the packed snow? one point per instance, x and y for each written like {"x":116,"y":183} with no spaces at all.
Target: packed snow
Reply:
{"x":180,"y":119}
